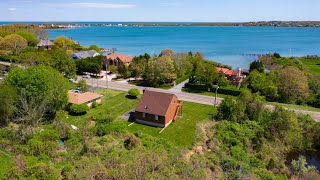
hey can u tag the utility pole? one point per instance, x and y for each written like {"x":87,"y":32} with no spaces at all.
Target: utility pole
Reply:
{"x":215,"y":99}
{"x":107,"y":73}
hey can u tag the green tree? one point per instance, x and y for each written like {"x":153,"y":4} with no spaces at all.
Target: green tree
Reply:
{"x":159,"y":71}
{"x":64,"y":42}
{"x":80,"y":109}
{"x":257,"y":65}
{"x":292,"y":84}
{"x":29,"y":58}
{"x":13,"y":43}
{"x":264,"y":83}
{"x":123,"y":70}
{"x":113,"y":69}
{"x":230,"y":109}
{"x":8,"y":97}
{"x":61,"y":61}
{"x":168,"y":72}
{"x":31,"y":38}
{"x":94,"y":47}
{"x":182,"y":64}
{"x":91,"y":65}
{"x":197,"y":67}
{"x":42,"y":90}
{"x":134,"y":93}
{"x":82,"y":85}
{"x":299,"y":167}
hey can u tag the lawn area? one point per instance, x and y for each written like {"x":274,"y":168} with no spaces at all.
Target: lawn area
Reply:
{"x":206,"y":93}
{"x":182,"y":132}
{"x":179,"y":134}
{"x":6,"y":163}
{"x":114,"y":103}
{"x":312,"y":65}
{"x":294,"y":106}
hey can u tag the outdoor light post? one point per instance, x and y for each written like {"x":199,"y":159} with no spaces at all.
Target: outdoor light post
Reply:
{"x":215,"y":99}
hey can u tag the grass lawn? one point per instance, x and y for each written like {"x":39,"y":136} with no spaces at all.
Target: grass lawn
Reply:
{"x":294,"y":106}
{"x":6,"y":163}
{"x":179,"y":134}
{"x":182,"y":132}
{"x":114,"y":103}
{"x":206,"y":93}
{"x":312,"y":65}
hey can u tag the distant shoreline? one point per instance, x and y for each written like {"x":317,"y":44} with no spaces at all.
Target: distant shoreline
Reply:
{"x":67,"y":25}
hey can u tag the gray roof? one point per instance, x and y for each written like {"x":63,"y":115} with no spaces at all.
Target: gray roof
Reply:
{"x":84,"y":54}
{"x":44,"y":42}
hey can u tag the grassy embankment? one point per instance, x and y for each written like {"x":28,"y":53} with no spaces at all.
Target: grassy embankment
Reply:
{"x":312,"y":65}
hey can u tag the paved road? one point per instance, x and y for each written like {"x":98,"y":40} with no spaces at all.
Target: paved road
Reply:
{"x":179,"y":87}
{"x":9,"y":64}
{"x":201,"y":99}
{"x":181,"y":95}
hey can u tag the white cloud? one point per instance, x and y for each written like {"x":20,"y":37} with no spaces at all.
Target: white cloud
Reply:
{"x":104,"y":5}
{"x":12,"y":9}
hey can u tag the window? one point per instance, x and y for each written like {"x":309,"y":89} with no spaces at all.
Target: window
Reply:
{"x":156,"y":117}
{"x":144,"y":115}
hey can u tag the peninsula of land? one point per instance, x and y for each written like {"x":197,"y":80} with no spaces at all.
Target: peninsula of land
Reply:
{"x":63,"y":25}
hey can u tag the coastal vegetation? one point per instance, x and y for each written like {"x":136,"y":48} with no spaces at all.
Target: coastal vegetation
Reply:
{"x":245,"y":140}
{"x":288,"y":80}
{"x":42,"y":137}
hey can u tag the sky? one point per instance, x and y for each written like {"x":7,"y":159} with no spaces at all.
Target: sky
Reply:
{"x":159,"y":10}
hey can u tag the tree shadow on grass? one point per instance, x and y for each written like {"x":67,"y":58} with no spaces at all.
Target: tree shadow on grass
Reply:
{"x":131,"y":97}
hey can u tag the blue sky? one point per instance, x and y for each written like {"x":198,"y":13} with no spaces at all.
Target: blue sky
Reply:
{"x":159,"y":10}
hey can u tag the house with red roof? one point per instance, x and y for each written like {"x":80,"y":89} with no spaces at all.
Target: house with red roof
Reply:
{"x":158,"y":109}
{"x":117,"y":60}
{"x":234,"y":76}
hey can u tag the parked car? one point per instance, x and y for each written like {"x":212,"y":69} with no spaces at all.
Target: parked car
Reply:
{"x":86,"y":76}
{"x":76,"y":90}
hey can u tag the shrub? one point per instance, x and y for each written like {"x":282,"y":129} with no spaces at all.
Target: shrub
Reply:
{"x":102,"y":125}
{"x":133,"y":93}
{"x":131,"y":142}
{"x":80,"y":109}
{"x":94,"y":105}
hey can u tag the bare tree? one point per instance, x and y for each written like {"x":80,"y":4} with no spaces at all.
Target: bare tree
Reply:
{"x":30,"y":112}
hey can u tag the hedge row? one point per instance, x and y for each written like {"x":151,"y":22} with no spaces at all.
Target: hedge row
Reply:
{"x":221,"y":90}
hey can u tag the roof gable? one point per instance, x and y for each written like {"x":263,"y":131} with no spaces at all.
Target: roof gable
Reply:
{"x":122,"y":57}
{"x":156,"y":103}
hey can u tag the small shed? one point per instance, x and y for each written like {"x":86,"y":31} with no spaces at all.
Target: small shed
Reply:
{"x":84,"y":98}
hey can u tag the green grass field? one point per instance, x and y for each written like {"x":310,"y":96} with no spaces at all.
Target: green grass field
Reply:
{"x":6,"y":163}
{"x":294,"y":106}
{"x":312,"y":65}
{"x":182,"y":132}
{"x":114,"y":103}
{"x":205,"y":93}
{"x":179,"y":134}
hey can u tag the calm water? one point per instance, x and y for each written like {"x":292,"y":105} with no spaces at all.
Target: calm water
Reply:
{"x":312,"y":157}
{"x":228,"y":45}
